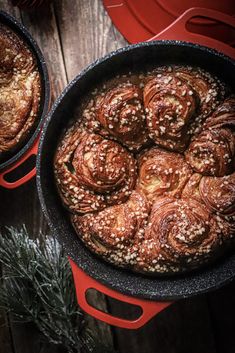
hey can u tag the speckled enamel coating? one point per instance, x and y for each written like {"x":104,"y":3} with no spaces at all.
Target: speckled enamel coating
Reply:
{"x":133,"y":57}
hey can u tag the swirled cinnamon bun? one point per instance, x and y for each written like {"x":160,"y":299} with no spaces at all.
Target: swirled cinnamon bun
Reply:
{"x":116,"y":231}
{"x":180,"y":235}
{"x":223,"y":116}
{"x":219,"y":194}
{"x":212,"y":152}
{"x":211,"y":92}
{"x":120,"y":114}
{"x":93,"y":172}
{"x":171,"y":106}
{"x":162,"y":173}
{"x":20,"y":89}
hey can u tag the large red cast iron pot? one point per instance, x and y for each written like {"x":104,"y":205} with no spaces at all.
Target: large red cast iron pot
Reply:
{"x":151,"y":294}
{"x":140,"y":20}
{"x":12,"y":161}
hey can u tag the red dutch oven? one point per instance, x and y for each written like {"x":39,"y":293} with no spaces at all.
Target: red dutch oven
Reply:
{"x":140,"y":20}
{"x":152,"y":294}
{"x":13,"y":161}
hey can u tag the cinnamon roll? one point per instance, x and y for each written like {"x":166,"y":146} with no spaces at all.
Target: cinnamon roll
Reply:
{"x":115,"y":232}
{"x":92,"y":172}
{"x":119,"y":113}
{"x":162,"y":173}
{"x":181,"y":235}
{"x":219,"y":194}
{"x":20,"y":89}
{"x":223,"y":116}
{"x":170,"y":109}
{"x":212,"y":152}
{"x":211,"y":92}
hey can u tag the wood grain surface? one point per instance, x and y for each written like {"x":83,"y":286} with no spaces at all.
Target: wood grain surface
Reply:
{"x":71,"y":35}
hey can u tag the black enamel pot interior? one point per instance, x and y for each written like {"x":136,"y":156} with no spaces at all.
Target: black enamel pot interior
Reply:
{"x":134,"y":58}
{"x":10,"y":158}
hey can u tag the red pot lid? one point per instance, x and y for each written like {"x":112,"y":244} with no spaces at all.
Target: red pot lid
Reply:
{"x":139,"y":20}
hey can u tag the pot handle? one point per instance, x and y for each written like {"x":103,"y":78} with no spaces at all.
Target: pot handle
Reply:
{"x":83,"y":282}
{"x":178,"y":31}
{"x":12,"y":185}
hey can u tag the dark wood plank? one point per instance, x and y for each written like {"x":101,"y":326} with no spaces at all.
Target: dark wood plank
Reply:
{"x":6,"y":5}
{"x":5,"y":335}
{"x":41,"y":23}
{"x":86,"y":33}
{"x":21,"y":206}
{"x":27,"y":339}
{"x":222,"y":310}
{"x":181,"y":328}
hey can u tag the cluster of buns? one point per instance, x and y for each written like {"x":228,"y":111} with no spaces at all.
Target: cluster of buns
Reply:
{"x":147,"y":172}
{"x":20,"y":90}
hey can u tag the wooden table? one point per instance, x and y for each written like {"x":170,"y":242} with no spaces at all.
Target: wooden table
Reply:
{"x":71,"y":35}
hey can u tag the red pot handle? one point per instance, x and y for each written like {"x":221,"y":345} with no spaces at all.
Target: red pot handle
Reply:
{"x":12,"y":185}
{"x":83,"y":282}
{"x":178,"y":31}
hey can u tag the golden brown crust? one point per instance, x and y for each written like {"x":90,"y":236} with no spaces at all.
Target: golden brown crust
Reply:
{"x":219,"y":194}
{"x":171,"y":106}
{"x":20,"y":89}
{"x":92,"y":172}
{"x":162,"y":173}
{"x":210,"y":91}
{"x":119,"y":113}
{"x":153,"y":212}
{"x":212,"y":152}
{"x":223,"y":116}
{"x":115,"y":232}
{"x":180,"y":235}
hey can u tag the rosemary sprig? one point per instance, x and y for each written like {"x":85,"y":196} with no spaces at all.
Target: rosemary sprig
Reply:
{"x":37,"y":286}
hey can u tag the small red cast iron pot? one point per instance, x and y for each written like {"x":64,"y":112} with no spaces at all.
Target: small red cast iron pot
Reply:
{"x":13,"y":160}
{"x":151,"y":294}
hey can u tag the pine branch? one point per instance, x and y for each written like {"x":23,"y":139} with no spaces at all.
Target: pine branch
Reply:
{"x":37,"y":286}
